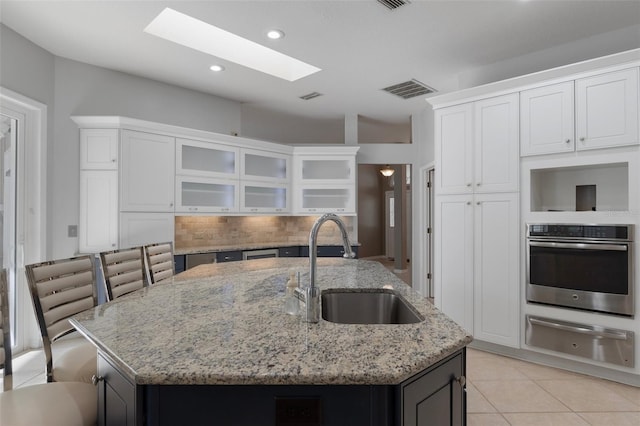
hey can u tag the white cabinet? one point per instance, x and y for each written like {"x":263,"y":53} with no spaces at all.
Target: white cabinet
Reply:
{"x":98,"y":226}
{"x":453,"y":258}
{"x":607,"y":110}
{"x":206,"y":159}
{"x":454,"y":149}
{"x":140,"y":228}
{"x":477,"y":276}
{"x":477,"y":146}
{"x":147,"y":177}
{"x":98,"y":198}
{"x":496,"y":269}
{"x":496,"y":165}
{"x":325,"y":180}
{"x":98,"y":149}
{"x":204,"y":195}
{"x":260,"y":197}
{"x":546,"y":119}
{"x":589,"y":113}
{"x":265,"y":166}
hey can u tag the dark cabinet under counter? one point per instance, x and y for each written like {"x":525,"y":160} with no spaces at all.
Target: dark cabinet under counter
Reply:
{"x":328,"y":251}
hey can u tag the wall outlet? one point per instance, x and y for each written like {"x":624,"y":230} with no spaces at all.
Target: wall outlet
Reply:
{"x":72,"y":231}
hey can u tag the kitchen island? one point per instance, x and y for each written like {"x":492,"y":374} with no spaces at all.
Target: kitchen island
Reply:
{"x":214,"y":346}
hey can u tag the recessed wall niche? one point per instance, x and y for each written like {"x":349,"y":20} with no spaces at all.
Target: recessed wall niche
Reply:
{"x":563,"y":188}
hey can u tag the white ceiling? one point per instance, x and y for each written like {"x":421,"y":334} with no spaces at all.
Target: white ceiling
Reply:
{"x":360,"y":45}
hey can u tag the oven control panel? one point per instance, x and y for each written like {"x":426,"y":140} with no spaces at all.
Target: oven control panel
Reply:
{"x":604,"y":232}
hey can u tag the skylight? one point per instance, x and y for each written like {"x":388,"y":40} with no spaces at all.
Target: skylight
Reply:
{"x":195,"y":34}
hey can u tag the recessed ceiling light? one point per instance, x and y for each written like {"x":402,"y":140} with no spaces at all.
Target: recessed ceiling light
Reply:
{"x":275,"y":34}
{"x":195,"y":34}
{"x":216,"y":68}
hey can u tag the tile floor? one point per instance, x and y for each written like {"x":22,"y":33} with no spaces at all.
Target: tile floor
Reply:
{"x":500,"y":391}
{"x":506,"y":391}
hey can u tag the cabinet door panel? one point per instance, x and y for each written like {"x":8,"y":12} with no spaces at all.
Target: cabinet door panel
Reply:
{"x":607,"y":110}
{"x":546,"y":119}
{"x":99,"y":149}
{"x":206,"y":159}
{"x":98,"y":226}
{"x":454,"y":258}
{"x":147,"y":172}
{"x":496,"y":269}
{"x":137,"y":229}
{"x":496,"y":144}
{"x":454,"y":149}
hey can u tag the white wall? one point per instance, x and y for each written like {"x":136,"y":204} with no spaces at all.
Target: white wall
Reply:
{"x":27,"y":69}
{"x":260,"y":123}
{"x":588,"y":48}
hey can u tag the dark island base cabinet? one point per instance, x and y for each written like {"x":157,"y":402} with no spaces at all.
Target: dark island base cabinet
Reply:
{"x":433,"y":397}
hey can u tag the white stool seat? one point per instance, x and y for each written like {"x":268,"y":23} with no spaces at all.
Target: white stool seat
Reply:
{"x":74,"y":360}
{"x":50,"y":404}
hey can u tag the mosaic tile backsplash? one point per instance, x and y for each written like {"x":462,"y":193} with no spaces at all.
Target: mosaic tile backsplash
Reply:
{"x":207,"y":231}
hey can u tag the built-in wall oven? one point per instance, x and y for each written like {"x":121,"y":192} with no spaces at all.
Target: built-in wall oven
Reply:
{"x":579,"y":266}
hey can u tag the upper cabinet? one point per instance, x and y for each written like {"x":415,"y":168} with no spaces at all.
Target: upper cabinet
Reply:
{"x":477,"y":146}
{"x":546,"y":119}
{"x":147,"y":172}
{"x":265,"y":166}
{"x":325,"y":179}
{"x":607,"y":110}
{"x":605,"y":115}
{"x":206,"y":159}
{"x":99,"y":149}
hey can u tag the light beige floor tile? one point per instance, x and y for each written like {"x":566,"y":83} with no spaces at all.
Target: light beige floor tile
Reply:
{"x":493,"y":368}
{"x":611,"y":419}
{"x":519,"y":396}
{"x":544,"y":419}
{"x":587,"y":395}
{"x":630,"y":392}
{"x":476,"y":403}
{"x":486,"y":420}
{"x":541,"y":372}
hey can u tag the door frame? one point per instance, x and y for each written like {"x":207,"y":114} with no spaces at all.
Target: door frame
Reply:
{"x":31,"y":205}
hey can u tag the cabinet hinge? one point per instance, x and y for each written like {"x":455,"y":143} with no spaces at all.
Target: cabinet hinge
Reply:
{"x":429,"y":276}
{"x":428,"y":184}
{"x":428,"y":230}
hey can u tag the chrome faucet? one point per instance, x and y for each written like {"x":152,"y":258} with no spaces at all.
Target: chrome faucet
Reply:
{"x":311,"y":295}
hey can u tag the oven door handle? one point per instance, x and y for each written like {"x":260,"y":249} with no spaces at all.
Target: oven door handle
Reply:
{"x":580,"y":246}
{"x":608,"y":334}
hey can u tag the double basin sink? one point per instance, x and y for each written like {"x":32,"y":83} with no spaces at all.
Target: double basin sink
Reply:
{"x":367,"y":306}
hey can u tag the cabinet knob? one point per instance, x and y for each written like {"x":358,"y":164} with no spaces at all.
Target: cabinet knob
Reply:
{"x":477,"y":203}
{"x":170,"y":204}
{"x":96,"y":379}
{"x":568,"y":141}
{"x":461,"y":380}
{"x":582,"y":139}
{"x":478,"y":184}
{"x":468,"y":203}
{"x":469,"y":184}
{"x":113,"y":160}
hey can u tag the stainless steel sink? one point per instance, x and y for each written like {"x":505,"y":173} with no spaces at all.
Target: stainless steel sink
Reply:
{"x":368,"y":306}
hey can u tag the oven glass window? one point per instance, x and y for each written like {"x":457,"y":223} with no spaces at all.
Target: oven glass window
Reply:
{"x":603,"y":271}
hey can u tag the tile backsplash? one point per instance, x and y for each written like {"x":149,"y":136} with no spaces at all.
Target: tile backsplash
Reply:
{"x":206,"y":231}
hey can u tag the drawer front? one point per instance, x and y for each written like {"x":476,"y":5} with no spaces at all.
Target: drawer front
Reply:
{"x":586,"y":341}
{"x":199,"y":259}
{"x":229,"y":256}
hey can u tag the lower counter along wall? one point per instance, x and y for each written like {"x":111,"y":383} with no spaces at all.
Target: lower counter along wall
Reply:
{"x":206,"y":231}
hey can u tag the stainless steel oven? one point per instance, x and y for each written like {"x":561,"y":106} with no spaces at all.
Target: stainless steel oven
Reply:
{"x":581,"y":266}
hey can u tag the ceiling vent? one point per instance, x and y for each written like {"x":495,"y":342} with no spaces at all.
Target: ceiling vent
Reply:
{"x":393,"y":4}
{"x":310,"y":96}
{"x":409,"y":89}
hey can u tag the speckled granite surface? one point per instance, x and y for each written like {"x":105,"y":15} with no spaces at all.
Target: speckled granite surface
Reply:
{"x":225,"y":324}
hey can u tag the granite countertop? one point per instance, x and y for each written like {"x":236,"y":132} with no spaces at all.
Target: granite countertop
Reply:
{"x":249,"y":246}
{"x":222,"y":324}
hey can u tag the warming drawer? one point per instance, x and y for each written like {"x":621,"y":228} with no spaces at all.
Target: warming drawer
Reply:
{"x":588,"y":341}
